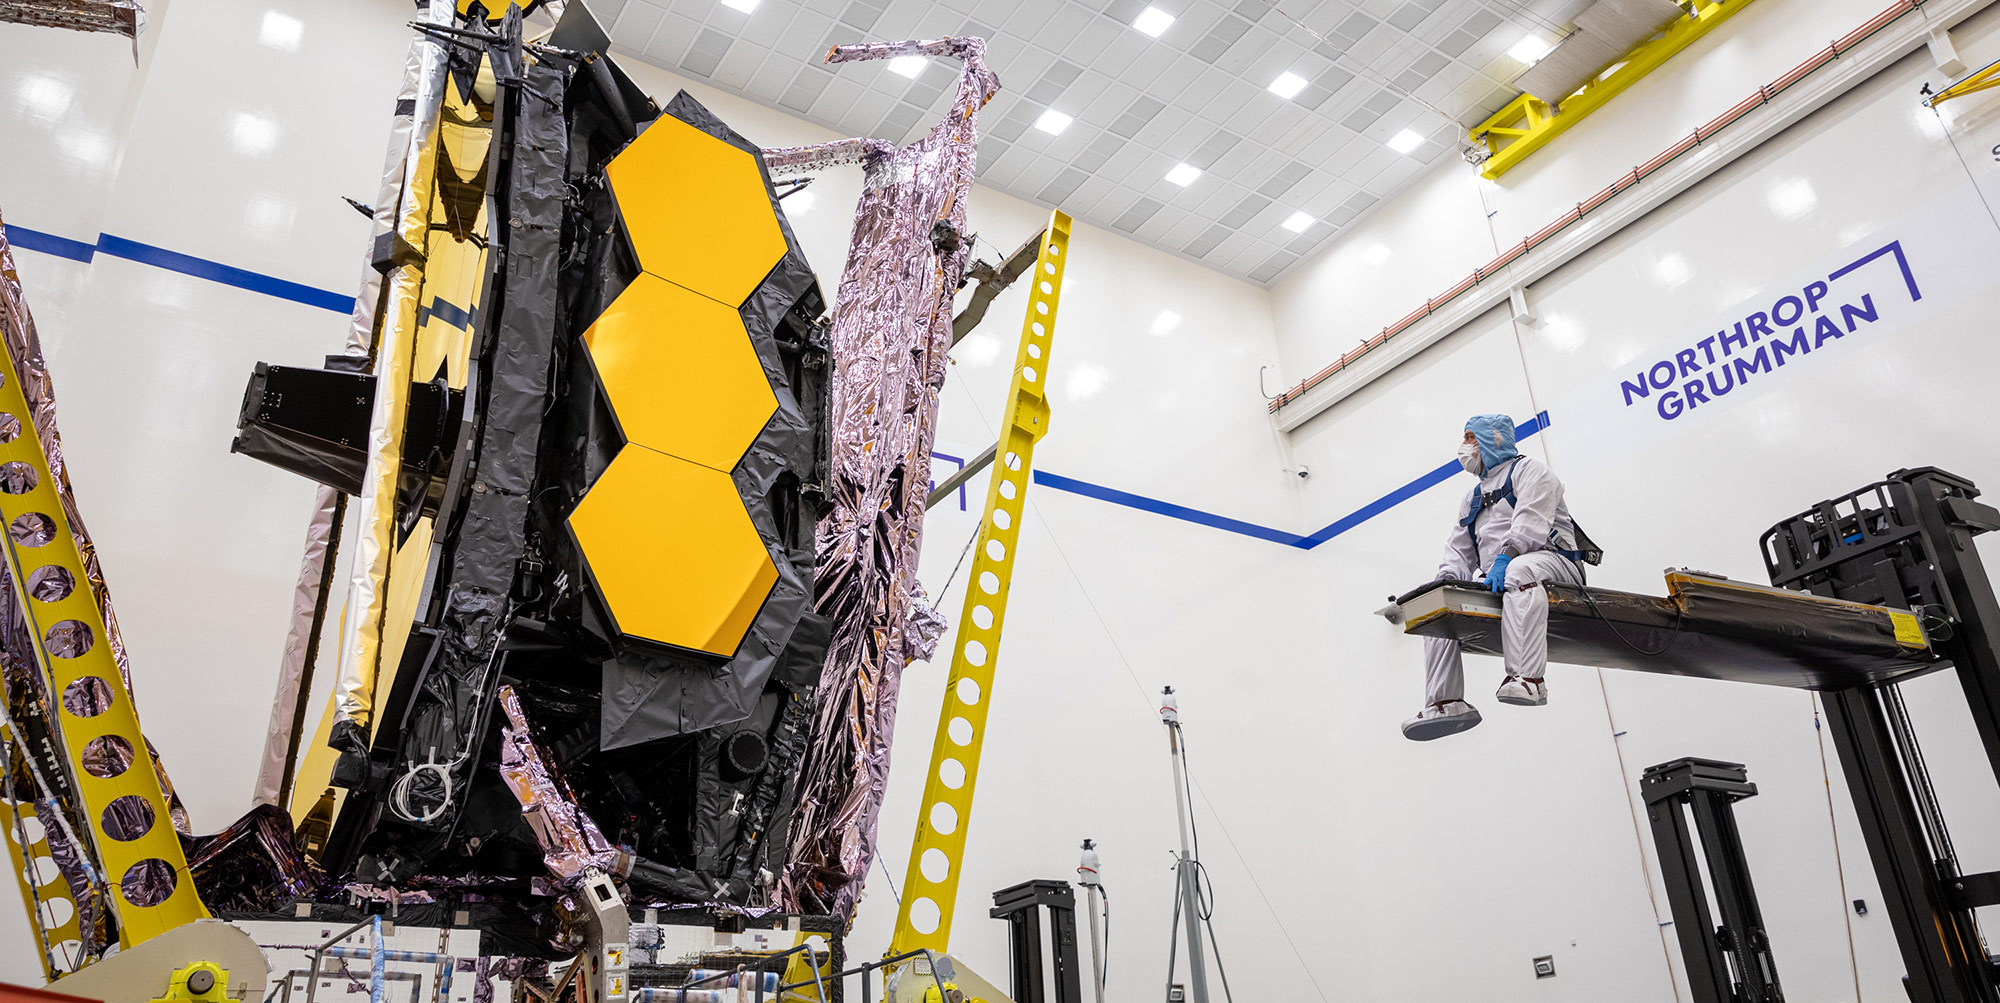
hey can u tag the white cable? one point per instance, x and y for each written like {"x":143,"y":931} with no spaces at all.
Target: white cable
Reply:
{"x":399,"y":792}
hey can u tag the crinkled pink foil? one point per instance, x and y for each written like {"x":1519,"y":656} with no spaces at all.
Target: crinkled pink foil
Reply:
{"x":571,"y":842}
{"x":891,"y":330}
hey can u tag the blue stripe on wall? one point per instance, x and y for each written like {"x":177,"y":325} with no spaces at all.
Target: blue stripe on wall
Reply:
{"x":256,"y":282}
{"x":49,"y":243}
{"x":175,"y":261}
{"x":228,"y":275}
{"x":1408,"y":491}
{"x":1169,"y":509}
{"x":1351,"y":520}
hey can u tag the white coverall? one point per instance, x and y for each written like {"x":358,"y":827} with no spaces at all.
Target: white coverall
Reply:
{"x":1526,"y":526}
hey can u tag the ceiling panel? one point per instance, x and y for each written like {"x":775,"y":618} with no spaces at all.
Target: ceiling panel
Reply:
{"x":1198,"y":94}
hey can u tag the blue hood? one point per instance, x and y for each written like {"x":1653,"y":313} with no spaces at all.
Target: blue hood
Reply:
{"x":1495,"y":435}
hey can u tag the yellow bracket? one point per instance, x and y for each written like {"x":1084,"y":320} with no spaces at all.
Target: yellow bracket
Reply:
{"x":930,"y":889}
{"x":1529,"y":123}
{"x":52,"y":909}
{"x":1985,"y":79}
{"x":149,"y":889}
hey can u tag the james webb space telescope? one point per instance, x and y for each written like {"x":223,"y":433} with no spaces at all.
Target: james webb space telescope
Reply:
{"x":612,"y":457}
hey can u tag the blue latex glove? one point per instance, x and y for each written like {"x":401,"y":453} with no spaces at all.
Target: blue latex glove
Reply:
{"x":1496,"y":576}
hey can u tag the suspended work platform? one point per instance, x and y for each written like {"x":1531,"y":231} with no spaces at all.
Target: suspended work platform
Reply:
{"x":1706,"y":626}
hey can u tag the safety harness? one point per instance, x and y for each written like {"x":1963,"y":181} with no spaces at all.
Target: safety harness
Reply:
{"x":1587,"y":552}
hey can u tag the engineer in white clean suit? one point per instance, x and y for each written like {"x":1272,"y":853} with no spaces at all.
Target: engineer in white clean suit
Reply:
{"x":1513,"y":533}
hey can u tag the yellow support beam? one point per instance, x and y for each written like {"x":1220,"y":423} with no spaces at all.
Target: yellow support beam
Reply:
{"x":1529,"y":123}
{"x":1985,"y":79}
{"x":148,"y":888}
{"x":930,"y":889}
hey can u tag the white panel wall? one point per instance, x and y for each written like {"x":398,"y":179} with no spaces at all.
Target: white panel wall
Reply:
{"x":1519,"y":839}
{"x":1453,"y":222}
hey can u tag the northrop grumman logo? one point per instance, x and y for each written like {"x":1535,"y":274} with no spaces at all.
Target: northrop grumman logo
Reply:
{"x":1814,"y":320}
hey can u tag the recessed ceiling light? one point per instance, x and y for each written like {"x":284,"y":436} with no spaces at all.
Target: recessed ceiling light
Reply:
{"x":1530,"y":49}
{"x":1377,"y":254}
{"x":1053,"y":122}
{"x":1184,"y":174}
{"x":908,"y":66}
{"x":281,"y":31}
{"x":1288,"y":85}
{"x":799,"y":203}
{"x":1298,"y":222}
{"x":1152,"y":21}
{"x":1405,"y":141}
{"x":1165,"y":322}
{"x":746,"y":6}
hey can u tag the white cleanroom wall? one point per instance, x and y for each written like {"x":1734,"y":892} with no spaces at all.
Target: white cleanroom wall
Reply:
{"x":1818,"y":222}
{"x":1423,"y":242}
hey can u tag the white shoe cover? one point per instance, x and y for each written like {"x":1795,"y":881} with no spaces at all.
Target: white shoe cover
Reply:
{"x":1523,"y":692}
{"x":1439,"y":720}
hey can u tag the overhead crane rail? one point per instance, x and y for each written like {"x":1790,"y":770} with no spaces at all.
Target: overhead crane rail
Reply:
{"x":1625,"y":182}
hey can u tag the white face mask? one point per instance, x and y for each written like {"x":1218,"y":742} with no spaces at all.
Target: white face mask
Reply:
{"x":1468,"y":457}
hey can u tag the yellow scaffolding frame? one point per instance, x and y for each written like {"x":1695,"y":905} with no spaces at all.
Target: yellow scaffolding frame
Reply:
{"x":1515,"y":132}
{"x":147,"y":885}
{"x":930,"y":889}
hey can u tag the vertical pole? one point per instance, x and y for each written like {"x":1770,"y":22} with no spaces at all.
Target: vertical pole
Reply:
{"x":1974,"y":648}
{"x":1096,"y":942}
{"x":1027,"y":927}
{"x":1062,"y":941}
{"x":1941,"y":949}
{"x":1190,"y":881}
{"x":1735,"y":898}
{"x":1707,"y":969}
{"x":376,"y":963}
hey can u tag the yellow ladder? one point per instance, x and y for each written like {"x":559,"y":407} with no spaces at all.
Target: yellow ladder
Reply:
{"x":930,"y":890}
{"x":148,"y":887}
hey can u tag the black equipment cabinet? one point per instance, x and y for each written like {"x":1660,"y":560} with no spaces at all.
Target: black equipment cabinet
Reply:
{"x":1021,"y":906}
{"x":1907,"y":541}
{"x":1728,"y":962}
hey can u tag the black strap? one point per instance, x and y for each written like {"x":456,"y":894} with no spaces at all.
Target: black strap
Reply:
{"x":1480,"y":500}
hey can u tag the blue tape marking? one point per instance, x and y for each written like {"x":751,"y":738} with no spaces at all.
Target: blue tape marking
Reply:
{"x":1168,"y":509}
{"x":1408,"y":491}
{"x":1366,"y":512}
{"x":49,"y":243}
{"x":960,"y":460}
{"x":202,"y":268}
{"x":228,"y":275}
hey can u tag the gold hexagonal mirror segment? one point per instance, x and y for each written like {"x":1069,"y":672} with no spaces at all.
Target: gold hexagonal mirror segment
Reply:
{"x":673,"y":551}
{"x":696,"y":210}
{"x":681,"y":373}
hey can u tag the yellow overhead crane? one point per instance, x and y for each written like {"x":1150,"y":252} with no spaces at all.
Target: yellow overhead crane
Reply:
{"x":1983,"y":79}
{"x":1527,"y":124}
